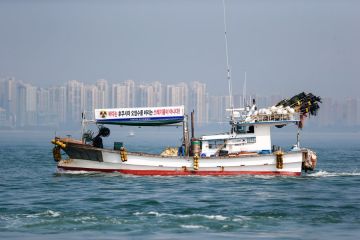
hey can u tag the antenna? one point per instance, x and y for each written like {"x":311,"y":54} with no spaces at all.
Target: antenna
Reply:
{"x":227,"y":63}
{"x":244,"y":91}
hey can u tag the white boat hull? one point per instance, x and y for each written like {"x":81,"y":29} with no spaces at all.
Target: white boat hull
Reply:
{"x":149,"y":164}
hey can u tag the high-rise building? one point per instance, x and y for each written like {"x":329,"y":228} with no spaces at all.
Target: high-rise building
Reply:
{"x":20,"y":115}
{"x":216,"y":108}
{"x":144,"y":96}
{"x":4,"y":118}
{"x":198,"y":101}
{"x":43,"y":99}
{"x":104,"y":94}
{"x":2,"y":95}
{"x":325,"y":117}
{"x":58,"y":104}
{"x":177,"y":95}
{"x":92,"y":99}
{"x":75,"y":100}
{"x":4,"y":122}
{"x":26,"y":105}
{"x":150,"y":95}
{"x":119,"y":95}
{"x":130,"y":90}
{"x":31,"y":105}
{"x":159,"y":94}
{"x":10,"y":99}
{"x":350,"y":112}
{"x":44,"y":117}
{"x":123,"y":94}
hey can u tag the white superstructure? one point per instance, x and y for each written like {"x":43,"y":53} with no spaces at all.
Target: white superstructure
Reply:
{"x":250,"y":132}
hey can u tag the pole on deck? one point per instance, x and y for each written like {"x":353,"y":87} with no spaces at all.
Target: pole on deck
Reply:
{"x":192,"y":125}
{"x":186,"y":142}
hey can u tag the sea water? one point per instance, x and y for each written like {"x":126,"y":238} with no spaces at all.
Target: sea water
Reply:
{"x":39,"y":202}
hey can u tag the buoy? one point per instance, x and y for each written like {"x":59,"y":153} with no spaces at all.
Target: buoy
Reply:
{"x":196,"y":162}
{"x":58,"y":143}
{"x":57,"y":154}
{"x":279,"y":159}
{"x":123,"y":154}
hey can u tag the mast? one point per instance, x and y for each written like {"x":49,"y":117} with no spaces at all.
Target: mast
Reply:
{"x":227,"y":63}
{"x":228,"y":72}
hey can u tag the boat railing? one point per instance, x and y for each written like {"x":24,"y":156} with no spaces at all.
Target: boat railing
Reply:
{"x":275,"y":117}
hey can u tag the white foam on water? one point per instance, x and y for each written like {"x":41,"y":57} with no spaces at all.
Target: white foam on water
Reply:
{"x":49,"y":213}
{"x":85,"y":219}
{"x":52,"y":213}
{"x":241,"y":219}
{"x":60,"y":171}
{"x":116,"y":221}
{"x":13,"y":221}
{"x":157,"y":214}
{"x":216,"y":217}
{"x":194,"y":227}
{"x":323,"y":173}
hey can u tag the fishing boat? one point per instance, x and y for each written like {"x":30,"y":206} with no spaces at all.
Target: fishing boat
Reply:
{"x":245,"y":149}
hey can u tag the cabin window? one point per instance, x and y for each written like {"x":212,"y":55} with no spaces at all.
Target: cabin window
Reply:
{"x":245,"y":129}
{"x":251,"y":140}
{"x":251,"y":129}
{"x":214,"y":144}
{"x":240,"y":129}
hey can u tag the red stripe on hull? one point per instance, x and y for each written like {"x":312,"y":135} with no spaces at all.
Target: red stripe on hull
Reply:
{"x":183,"y":173}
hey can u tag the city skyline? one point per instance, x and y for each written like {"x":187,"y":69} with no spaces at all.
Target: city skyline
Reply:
{"x":25,"y":105}
{"x":223,"y":91}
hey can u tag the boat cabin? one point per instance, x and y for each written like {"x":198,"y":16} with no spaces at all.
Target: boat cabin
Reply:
{"x":245,"y":139}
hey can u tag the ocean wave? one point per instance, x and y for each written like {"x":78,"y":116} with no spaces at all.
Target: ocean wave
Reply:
{"x":241,"y":219}
{"x":157,"y":214}
{"x":52,"y":213}
{"x":51,"y":219}
{"x":323,"y":173}
{"x":76,"y":172}
{"x":47,"y":213}
{"x":194,"y":227}
{"x":15,"y":221}
{"x":60,"y":171}
{"x":86,"y":219}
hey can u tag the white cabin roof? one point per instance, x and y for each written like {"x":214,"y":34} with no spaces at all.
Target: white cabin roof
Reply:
{"x":225,"y":136}
{"x":270,"y":123}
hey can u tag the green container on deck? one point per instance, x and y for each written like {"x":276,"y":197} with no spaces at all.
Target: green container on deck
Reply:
{"x":118,"y":145}
{"x":195,"y":142}
{"x":195,"y":146}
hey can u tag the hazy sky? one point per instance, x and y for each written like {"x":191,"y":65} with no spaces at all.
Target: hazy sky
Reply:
{"x":285,"y":46}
